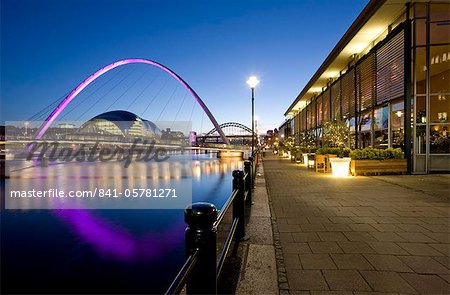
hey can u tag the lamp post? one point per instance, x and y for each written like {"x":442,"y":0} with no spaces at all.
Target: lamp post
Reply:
{"x":252,"y":82}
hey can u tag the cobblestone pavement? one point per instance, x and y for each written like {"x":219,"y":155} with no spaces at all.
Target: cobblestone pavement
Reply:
{"x":355,"y":235}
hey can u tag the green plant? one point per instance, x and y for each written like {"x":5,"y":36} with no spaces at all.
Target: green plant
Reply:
{"x":332,"y":151}
{"x":376,"y":154}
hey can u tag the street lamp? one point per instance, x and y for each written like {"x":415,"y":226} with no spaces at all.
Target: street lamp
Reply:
{"x":252,"y":82}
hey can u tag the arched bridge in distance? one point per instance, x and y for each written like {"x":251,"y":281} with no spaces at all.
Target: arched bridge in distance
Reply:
{"x":77,"y":90}
{"x":236,"y":133}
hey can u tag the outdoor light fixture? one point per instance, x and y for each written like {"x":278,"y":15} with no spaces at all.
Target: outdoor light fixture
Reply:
{"x":252,"y":82}
{"x":340,"y":166}
{"x":399,"y":113}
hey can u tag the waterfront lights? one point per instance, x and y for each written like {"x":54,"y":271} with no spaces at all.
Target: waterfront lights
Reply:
{"x":252,"y":82}
{"x":340,"y":166}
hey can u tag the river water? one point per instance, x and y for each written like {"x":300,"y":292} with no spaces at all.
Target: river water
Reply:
{"x":108,"y":251}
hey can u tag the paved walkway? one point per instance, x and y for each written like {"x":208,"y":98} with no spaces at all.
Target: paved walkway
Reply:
{"x":354,"y":235}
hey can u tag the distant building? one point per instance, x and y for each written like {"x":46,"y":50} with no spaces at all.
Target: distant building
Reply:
{"x":116,"y":126}
{"x":66,"y":126}
{"x":168,"y":134}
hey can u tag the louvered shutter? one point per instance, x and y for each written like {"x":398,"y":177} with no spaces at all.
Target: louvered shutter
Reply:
{"x":390,"y":69}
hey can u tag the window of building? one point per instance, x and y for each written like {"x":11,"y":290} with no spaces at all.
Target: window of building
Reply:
{"x":439,"y":12}
{"x":397,"y":124}
{"x":440,"y":69}
{"x":420,"y":141}
{"x":420,"y":29}
{"x":439,"y":139}
{"x":421,"y":110}
{"x":380,"y":126}
{"x":420,"y":70}
{"x":439,"y":108}
{"x":420,"y":10}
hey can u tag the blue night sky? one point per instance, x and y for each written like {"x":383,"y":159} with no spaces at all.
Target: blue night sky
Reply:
{"x":48,"y":47}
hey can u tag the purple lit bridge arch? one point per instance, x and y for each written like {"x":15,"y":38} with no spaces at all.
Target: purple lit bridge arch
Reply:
{"x":41,"y":131}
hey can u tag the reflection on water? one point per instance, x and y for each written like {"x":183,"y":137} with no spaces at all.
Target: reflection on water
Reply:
{"x":108,"y":251}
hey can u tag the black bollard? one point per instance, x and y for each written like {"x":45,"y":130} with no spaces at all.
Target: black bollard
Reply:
{"x":248,"y":180}
{"x":239,"y":203}
{"x":201,"y":236}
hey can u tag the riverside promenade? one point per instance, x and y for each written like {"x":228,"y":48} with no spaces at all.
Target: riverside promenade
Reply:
{"x":358,"y":235}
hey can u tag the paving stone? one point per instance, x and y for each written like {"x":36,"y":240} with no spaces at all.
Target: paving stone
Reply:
{"x":314,"y":227}
{"x":286,"y":238}
{"x":346,"y":280}
{"x":292,"y":261}
{"x":419,"y":249}
{"x":307,"y":280}
{"x":439,"y":237}
{"x":325,"y":247}
{"x":383,"y":281}
{"x":362,"y":220}
{"x":359,"y":236}
{"x":332,"y":236}
{"x":427,"y":284}
{"x":424,"y":265}
{"x":296,"y":220}
{"x":288,"y":228}
{"x":351,"y":261}
{"x":387,"y":237}
{"x":415,"y":237}
{"x":337,"y":227}
{"x":321,"y":220}
{"x":296,"y":248}
{"x":305,"y":237}
{"x":361,"y":227}
{"x":387,"y":262}
{"x":355,"y":247}
{"x":317,"y":261}
{"x":387,"y":248}
{"x":340,"y":219}
{"x":444,"y":260}
{"x":443,"y":248}
{"x":386,"y":227}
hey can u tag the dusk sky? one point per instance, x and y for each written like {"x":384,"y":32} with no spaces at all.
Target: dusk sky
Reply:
{"x":48,"y":47}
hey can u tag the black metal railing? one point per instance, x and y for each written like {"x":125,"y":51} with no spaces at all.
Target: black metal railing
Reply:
{"x":200,"y":272}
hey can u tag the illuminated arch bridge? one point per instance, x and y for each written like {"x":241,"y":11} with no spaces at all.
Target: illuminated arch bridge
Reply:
{"x":77,"y":90}
{"x":236,"y":133}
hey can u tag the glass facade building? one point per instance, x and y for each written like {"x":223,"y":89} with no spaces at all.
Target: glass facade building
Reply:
{"x":393,"y":93}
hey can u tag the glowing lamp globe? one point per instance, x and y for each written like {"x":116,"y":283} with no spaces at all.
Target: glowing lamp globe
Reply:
{"x":252,"y":82}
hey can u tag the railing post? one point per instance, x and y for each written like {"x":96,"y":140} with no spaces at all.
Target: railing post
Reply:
{"x":252,"y":160}
{"x":248,"y":180}
{"x":201,"y":236}
{"x":239,"y":203}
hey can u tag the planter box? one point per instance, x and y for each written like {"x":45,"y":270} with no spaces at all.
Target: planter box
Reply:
{"x":340,"y":166}
{"x":378,"y":167}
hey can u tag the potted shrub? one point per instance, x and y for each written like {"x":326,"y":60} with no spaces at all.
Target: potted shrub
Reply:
{"x":371,"y":161}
